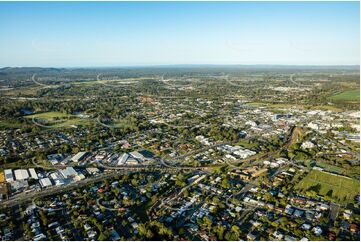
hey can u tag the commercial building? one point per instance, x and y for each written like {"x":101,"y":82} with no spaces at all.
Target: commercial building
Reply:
{"x":122,"y":159}
{"x":9,"y":177}
{"x":132,"y":161}
{"x":21,"y":174}
{"x":45,"y":182}
{"x":33,"y":174}
{"x":68,"y":172}
{"x":55,"y":158}
{"x":57,"y":178}
{"x":137,"y":156}
{"x":78,"y":157}
{"x":259,"y":172}
{"x":19,"y":185}
{"x":92,"y":170}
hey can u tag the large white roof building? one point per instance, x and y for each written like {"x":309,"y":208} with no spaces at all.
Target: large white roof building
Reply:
{"x":122,"y":159}
{"x":57,"y":178}
{"x":33,"y":174}
{"x":78,"y":157}
{"x":21,"y":174}
{"x":45,"y":182}
{"x":68,"y":172}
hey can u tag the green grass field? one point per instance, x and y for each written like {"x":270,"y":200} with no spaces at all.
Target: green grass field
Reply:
{"x":48,"y":115}
{"x":348,"y":96}
{"x":122,"y":124}
{"x":58,"y":119}
{"x":10,"y":124}
{"x":331,"y":168}
{"x":343,"y":189}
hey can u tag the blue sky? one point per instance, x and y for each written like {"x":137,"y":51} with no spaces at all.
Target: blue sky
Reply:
{"x":73,"y":34}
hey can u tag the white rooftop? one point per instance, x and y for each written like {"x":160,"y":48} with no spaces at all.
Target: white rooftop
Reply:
{"x":68,"y":172}
{"x":78,"y":156}
{"x":45,"y":182}
{"x":33,"y":173}
{"x":9,"y":177}
{"x":21,"y":174}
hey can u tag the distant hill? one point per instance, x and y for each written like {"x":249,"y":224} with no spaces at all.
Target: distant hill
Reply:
{"x":136,"y":71}
{"x":22,"y":70}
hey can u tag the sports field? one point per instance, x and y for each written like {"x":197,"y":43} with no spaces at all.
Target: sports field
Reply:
{"x":348,"y":96}
{"x":340,"y":189}
{"x":48,"y":115}
{"x":58,"y":119}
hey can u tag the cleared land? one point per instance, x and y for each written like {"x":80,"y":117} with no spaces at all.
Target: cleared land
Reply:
{"x":348,"y":96}
{"x":339,"y":188}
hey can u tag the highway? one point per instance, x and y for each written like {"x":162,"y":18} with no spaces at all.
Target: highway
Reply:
{"x":294,"y":82}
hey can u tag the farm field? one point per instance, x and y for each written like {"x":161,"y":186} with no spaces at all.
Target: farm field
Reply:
{"x":351,"y":95}
{"x":340,"y":189}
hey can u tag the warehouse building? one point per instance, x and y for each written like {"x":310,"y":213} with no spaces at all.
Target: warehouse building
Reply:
{"x":45,"y":182}
{"x":57,"y":178}
{"x":68,"y":172}
{"x":33,"y":174}
{"x":122,"y":159}
{"x":78,"y":157}
{"x":21,"y":174}
{"x":137,"y":156}
{"x":9,"y":177}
